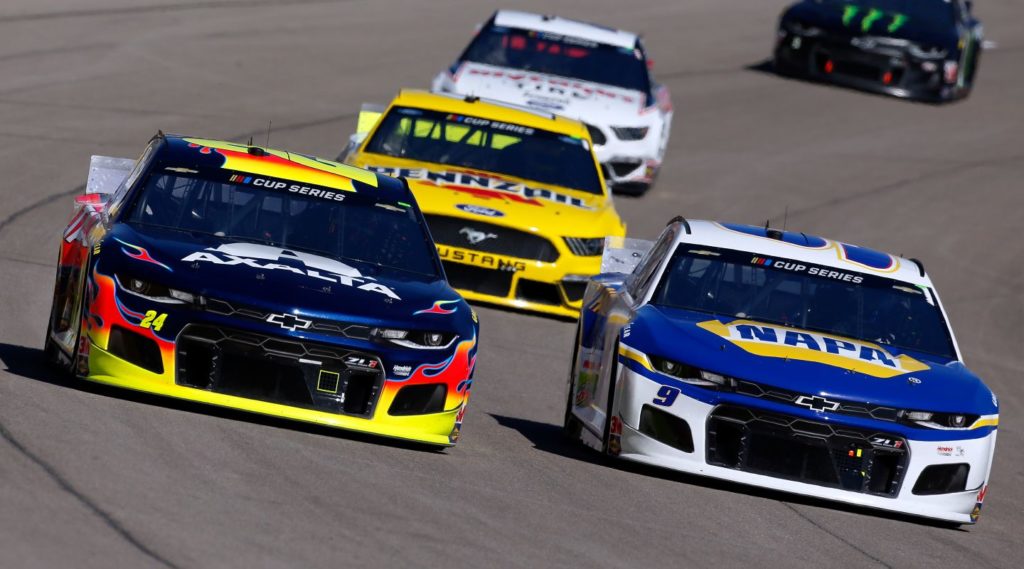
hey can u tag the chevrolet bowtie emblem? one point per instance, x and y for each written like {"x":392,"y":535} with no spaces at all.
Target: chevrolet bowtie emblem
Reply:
{"x":817,"y":403}
{"x":289,"y":321}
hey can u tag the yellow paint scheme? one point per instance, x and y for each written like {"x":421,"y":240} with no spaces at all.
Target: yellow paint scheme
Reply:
{"x":290,"y":166}
{"x":594,"y":217}
{"x":431,"y":429}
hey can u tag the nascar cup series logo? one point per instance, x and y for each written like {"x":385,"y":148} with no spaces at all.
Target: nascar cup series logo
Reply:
{"x":789,"y":343}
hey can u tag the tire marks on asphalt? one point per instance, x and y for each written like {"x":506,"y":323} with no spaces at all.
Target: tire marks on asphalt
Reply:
{"x":93,"y":507}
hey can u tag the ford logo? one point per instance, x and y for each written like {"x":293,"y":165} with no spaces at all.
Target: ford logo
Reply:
{"x":480,"y":210}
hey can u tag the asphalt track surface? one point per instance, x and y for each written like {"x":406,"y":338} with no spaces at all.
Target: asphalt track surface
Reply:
{"x":93,"y":477}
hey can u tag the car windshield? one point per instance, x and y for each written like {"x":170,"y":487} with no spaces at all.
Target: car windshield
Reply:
{"x":564,"y":56}
{"x":891,"y":15}
{"x":333,"y":223}
{"x":487,"y":145}
{"x":802,"y":295}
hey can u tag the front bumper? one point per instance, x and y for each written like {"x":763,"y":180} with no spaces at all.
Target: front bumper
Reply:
{"x":225,"y":356}
{"x":549,"y":288}
{"x":894,"y":493}
{"x":880,"y":69}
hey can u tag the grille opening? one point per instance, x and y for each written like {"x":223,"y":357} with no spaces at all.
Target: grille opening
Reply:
{"x":136,"y":349}
{"x":942,"y":479}
{"x":196,"y":363}
{"x":885,"y":471}
{"x":419,"y":399}
{"x":270,"y":368}
{"x":724,"y":444}
{"x":536,"y":291}
{"x":476,"y":279}
{"x":596,"y":134}
{"x":574,"y":290}
{"x":262,"y":379}
{"x":788,"y":447}
{"x":666,"y":428}
{"x":359,"y":391}
{"x":490,"y":238}
{"x":623,"y":168}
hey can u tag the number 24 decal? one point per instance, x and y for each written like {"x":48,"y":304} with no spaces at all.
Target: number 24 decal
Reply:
{"x":666,"y":396}
{"x":153,"y":320}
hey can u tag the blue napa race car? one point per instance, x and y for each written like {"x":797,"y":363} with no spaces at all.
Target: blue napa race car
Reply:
{"x":266,"y":281}
{"x":784,"y":361}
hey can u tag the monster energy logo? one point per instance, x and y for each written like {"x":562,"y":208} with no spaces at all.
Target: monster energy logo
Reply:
{"x":850,"y":13}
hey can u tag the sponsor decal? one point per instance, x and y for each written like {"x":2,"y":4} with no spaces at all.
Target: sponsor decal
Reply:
{"x":479,"y":210}
{"x":871,"y":16}
{"x":484,"y":185}
{"x":266,"y":257}
{"x":552,"y":85}
{"x":401,"y":371}
{"x":887,"y":442}
{"x":360,"y":361}
{"x":483,"y":260}
{"x":439,"y":308}
{"x":943,"y":450}
{"x":791,"y":343}
{"x":976,"y":512}
{"x":615,"y":436}
{"x":289,"y":321}
{"x":475,"y":236}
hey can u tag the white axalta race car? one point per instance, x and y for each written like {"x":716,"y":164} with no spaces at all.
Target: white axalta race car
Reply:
{"x":784,"y":361}
{"x":584,"y":71}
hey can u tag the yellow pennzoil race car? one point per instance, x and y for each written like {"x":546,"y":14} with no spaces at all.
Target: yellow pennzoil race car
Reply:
{"x":514,"y":198}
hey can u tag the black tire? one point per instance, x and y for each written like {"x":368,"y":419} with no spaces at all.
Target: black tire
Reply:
{"x":609,"y":413}
{"x":571,"y":426}
{"x":53,"y":352}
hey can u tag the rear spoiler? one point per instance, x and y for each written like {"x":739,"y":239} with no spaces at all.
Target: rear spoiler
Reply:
{"x":106,"y":174}
{"x":623,"y":254}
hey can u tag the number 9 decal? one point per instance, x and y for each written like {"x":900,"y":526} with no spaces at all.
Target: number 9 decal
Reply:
{"x":666,"y":396}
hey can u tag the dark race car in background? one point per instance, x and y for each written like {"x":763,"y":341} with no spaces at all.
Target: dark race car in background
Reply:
{"x":926,"y":50}
{"x":265,"y":281}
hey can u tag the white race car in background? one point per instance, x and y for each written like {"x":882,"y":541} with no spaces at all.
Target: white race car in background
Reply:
{"x":591,"y":73}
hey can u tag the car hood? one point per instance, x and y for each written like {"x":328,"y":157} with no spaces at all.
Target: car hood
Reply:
{"x":810,"y":362}
{"x":829,"y":16}
{"x":589,"y":102}
{"x":270,"y":277}
{"x":449,"y":190}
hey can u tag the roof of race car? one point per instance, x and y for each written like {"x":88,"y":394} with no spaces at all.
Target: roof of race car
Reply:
{"x":564,"y":26}
{"x":188,"y":152}
{"x":494,"y":110}
{"x":802,"y":247}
